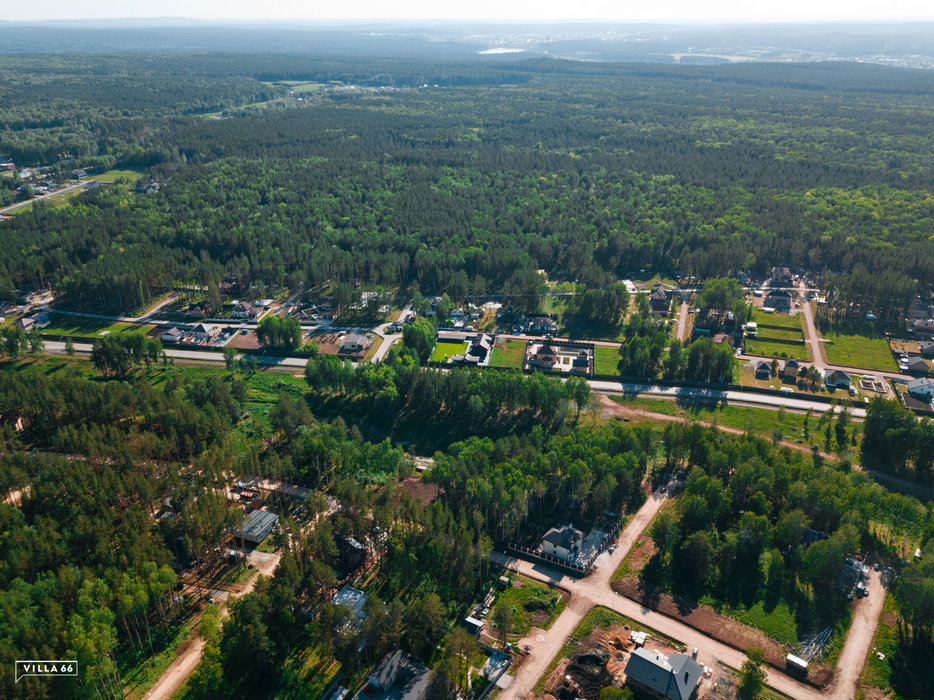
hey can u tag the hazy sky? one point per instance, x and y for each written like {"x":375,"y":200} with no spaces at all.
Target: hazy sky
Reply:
{"x":623,"y":10}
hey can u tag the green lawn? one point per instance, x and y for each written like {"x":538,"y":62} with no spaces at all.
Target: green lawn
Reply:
{"x":756,"y":420}
{"x":877,"y":673}
{"x":508,"y":353}
{"x":778,"y":623}
{"x":84,"y":327}
{"x":790,"y":321}
{"x":444,"y":351}
{"x":606,"y":359}
{"x":114,"y":175}
{"x":526,"y":599}
{"x":859,"y":351}
{"x":763,"y":346}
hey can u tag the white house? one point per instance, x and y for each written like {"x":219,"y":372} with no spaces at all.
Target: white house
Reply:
{"x":563,"y":542}
{"x":205,"y":331}
{"x":173,"y":335}
{"x":355,"y":342}
{"x":921,"y":389}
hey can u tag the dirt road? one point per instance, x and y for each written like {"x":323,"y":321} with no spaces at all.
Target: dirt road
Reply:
{"x":682,"y":320}
{"x":544,"y":646}
{"x":810,"y":329}
{"x":186,"y":662}
{"x":858,"y":641}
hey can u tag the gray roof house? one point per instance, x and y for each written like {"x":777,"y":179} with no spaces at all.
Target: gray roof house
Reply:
{"x":398,"y":676}
{"x":837,"y":378}
{"x":563,"y":542}
{"x":355,"y":343}
{"x":917,"y":366}
{"x":778,"y":299}
{"x":672,"y":678}
{"x":926,"y":348}
{"x":659,"y":301}
{"x":257,"y":525}
{"x":921,"y":389}
{"x":173,"y":335}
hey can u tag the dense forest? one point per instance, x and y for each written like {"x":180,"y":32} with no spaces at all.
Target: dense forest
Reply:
{"x":587,"y":172}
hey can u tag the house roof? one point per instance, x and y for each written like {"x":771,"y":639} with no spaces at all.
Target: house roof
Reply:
{"x":257,"y":525}
{"x":675,"y":677}
{"x":566,"y":536}
{"x":762,"y":364}
{"x":351,"y":598}
{"x":408,"y":678}
{"x":174,"y":332}
{"x":204,"y":328}
{"x":917,"y":363}
{"x":921,"y":384}
{"x":659,"y":294}
{"x":355,"y":339}
{"x":779,"y":293}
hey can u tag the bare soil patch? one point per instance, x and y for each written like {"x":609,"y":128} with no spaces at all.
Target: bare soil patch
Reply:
{"x":598,"y":661}
{"x":424,"y":492}
{"x":710,"y":622}
{"x":245,"y":341}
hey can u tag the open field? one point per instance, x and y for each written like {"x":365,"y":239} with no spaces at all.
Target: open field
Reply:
{"x":756,"y":420}
{"x":114,"y":175}
{"x":780,"y":335}
{"x":83,"y":327}
{"x":859,"y":351}
{"x":508,"y":353}
{"x":444,"y":351}
{"x":606,"y":359}
{"x":769,"y":348}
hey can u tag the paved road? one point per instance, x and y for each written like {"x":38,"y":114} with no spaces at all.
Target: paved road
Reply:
{"x":681,"y":393}
{"x":690,"y":394}
{"x":69,"y":188}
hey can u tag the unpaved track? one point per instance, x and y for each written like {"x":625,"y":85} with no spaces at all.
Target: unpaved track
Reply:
{"x":186,"y":662}
{"x":543,"y":647}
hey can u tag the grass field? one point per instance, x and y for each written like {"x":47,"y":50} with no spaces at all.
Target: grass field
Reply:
{"x":761,"y":421}
{"x":788,"y":321}
{"x":444,"y":351}
{"x":877,"y":673}
{"x":859,"y":351}
{"x":779,"y":623}
{"x":606,"y":359}
{"x":780,"y":335}
{"x":527,"y":597}
{"x":509,"y":353}
{"x":114,"y":175}
{"x":84,"y":327}
{"x":763,"y":346}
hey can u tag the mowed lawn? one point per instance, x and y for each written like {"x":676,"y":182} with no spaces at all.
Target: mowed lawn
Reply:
{"x":606,"y":359}
{"x":508,"y":353}
{"x":84,"y":327}
{"x":780,"y":335}
{"x":859,"y":351}
{"x":445,"y":351}
{"x":770,"y":348}
{"x":114,"y":175}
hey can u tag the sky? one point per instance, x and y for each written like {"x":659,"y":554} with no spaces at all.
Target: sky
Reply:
{"x":545,"y":10}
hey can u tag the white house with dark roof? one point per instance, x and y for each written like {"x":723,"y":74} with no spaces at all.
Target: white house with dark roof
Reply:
{"x":665,"y":678}
{"x":205,"y":331}
{"x":563,"y":542}
{"x":921,"y":389}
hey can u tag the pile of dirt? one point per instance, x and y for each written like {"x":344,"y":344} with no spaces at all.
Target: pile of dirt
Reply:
{"x":423,"y":491}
